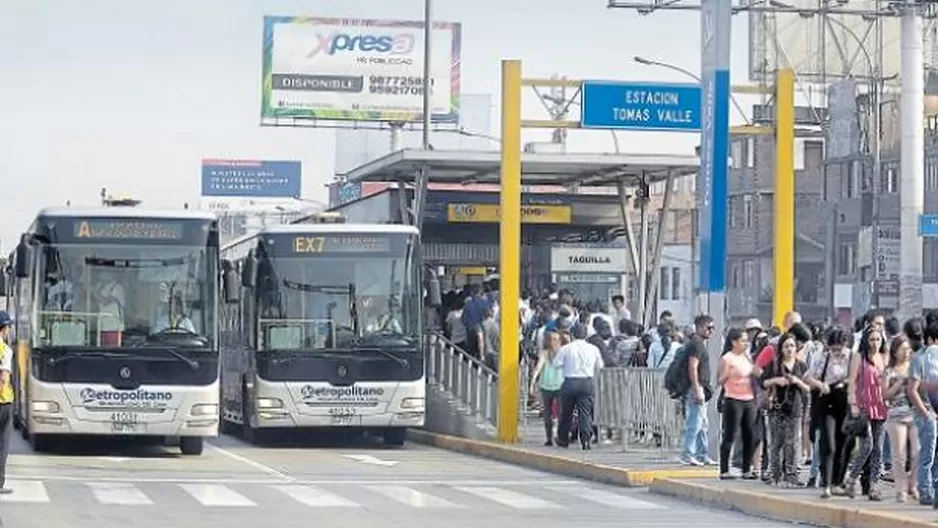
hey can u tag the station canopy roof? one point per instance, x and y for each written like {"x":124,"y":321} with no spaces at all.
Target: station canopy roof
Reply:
{"x":467,"y":167}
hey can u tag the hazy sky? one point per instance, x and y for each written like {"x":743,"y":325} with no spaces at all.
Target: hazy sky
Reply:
{"x":131,"y":95}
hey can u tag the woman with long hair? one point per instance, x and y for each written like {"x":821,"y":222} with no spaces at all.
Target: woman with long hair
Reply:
{"x":549,"y":379}
{"x":868,"y":411}
{"x":903,"y":434}
{"x":735,"y":376}
{"x":784,"y":380}
{"x":828,"y":376}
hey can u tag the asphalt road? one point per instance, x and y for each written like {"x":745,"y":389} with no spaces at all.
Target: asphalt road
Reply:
{"x":235,"y":485}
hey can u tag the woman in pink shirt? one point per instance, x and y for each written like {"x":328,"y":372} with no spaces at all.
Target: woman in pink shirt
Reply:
{"x":738,"y":403}
{"x":868,"y":410}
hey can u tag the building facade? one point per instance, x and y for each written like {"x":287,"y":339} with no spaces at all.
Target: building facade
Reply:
{"x":750,"y":233}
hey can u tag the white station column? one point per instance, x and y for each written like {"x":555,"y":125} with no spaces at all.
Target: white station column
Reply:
{"x":912,"y":165}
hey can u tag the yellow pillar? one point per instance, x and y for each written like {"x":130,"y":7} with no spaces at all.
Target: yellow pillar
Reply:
{"x":509,"y":242}
{"x":784,"y":284}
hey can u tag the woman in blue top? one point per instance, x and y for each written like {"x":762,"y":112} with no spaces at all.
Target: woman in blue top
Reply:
{"x":549,"y":378}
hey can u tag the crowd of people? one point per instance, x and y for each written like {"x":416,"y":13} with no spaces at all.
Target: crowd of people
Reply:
{"x":853,"y":406}
{"x":801,"y":405}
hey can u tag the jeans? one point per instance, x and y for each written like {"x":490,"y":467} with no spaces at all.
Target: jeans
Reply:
{"x":815,"y":459}
{"x":926,"y":458}
{"x":831,"y":448}
{"x":785,"y":446}
{"x":576,"y":393}
{"x":695,"y":428}
{"x":549,"y":398}
{"x":870,"y":449}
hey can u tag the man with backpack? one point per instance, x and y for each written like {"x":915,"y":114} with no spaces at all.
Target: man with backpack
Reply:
{"x":688,"y":378}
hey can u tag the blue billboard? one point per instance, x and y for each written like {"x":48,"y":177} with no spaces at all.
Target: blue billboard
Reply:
{"x":251,"y":178}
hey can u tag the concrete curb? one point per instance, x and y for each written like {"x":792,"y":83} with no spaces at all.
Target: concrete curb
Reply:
{"x":786,"y":509}
{"x":555,"y":464}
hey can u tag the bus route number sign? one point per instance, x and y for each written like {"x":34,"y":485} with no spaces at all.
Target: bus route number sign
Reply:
{"x":341,"y":244}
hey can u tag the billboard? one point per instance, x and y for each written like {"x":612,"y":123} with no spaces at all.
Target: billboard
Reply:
{"x":251,"y":178}
{"x":825,"y":47}
{"x":342,"y":69}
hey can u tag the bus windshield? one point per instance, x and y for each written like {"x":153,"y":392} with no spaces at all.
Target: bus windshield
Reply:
{"x":336,"y":301}
{"x":121,"y":295}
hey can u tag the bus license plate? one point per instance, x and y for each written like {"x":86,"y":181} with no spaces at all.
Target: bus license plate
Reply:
{"x":342,"y":419}
{"x":124,"y":422}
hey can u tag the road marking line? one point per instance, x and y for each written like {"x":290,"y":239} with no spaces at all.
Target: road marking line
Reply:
{"x":113,"y":459}
{"x":25,"y":491}
{"x":509,"y":498}
{"x":118,"y":493}
{"x":413,"y":498}
{"x":368,"y":459}
{"x":315,"y":497}
{"x":606,"y":498}
{"x":254,"y":464}
{"x":216,"y":495}
{"x":353,"y":482}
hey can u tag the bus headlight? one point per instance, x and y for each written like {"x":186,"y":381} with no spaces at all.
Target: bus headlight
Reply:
{"x":204,"y":409}
{"x":412,"y":403}
{"x":269,"y":403}
{"x":45,"y":407}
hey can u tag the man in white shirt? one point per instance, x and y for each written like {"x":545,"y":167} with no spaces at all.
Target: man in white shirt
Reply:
{"x":579,"y":361}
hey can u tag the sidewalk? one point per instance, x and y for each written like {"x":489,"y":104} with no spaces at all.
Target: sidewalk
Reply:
{"x":605,"y":462}
{"x":801,"y":505}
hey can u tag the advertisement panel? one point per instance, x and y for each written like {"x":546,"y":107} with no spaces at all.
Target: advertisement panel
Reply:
{"x":344,"y":69}
{"x":251,"y":178}
{"x":489,"y":213}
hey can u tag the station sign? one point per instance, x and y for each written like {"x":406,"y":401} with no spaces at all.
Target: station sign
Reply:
{"x":640,"y":106}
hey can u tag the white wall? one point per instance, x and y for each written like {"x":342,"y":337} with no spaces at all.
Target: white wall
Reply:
{"x":676,"y":262}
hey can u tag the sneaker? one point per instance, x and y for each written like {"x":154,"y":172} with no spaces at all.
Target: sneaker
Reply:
{"x":812,"y":482}
{"x":826,"y":493}
{"x":707,"y":461}
{"x":727,"y":476}
{"x":688,"y":461}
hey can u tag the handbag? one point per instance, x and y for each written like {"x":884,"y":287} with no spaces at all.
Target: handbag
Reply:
{"x":857,"y":426}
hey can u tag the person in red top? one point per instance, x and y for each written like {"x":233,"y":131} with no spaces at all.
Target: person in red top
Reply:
{"x":767,"y":355}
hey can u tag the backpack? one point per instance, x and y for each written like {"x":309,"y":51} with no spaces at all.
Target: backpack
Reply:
{"x":676,"y":380}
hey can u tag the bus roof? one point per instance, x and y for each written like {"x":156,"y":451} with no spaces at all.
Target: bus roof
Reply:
{"x":327,"y":228}
{"x":126,"y":212}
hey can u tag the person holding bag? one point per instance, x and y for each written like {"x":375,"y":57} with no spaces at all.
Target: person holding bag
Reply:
{"x":828,"y":377}
{"x":868,"y":411}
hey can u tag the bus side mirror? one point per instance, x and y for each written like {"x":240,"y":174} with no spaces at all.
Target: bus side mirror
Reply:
{"x":24,"y":258}
{"x":230,"y":284}
{"x":249,"y":271}
{"x":433,"y":292}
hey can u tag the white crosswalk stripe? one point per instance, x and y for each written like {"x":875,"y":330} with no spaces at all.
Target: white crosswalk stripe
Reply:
{"x":509,"y":498}
{"x":318,"y":498}
{"x":371,"y":496}
{"x":25,"y":491}
{"x":216,"y":495}
{"x":118,"y":493}
{"x":414,"y":498}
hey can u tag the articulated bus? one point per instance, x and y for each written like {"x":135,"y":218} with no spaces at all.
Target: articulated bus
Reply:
{"x":328,"y":331}
{"x":116,"y":325}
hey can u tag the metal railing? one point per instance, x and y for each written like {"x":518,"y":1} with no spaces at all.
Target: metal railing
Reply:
{"x":466,"y":379}
{"x":470,"y":382}
{"x":634,"y":403}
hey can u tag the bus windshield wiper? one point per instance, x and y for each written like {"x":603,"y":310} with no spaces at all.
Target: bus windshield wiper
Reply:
{"x":399,"y":360}
{"x":52,"y":361}
{"x":287,"y":356}
{"x":193,"y":364}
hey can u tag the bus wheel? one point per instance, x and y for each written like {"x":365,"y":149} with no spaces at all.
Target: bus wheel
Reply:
{"x":395,"y":437}
{"x":191,"y":445}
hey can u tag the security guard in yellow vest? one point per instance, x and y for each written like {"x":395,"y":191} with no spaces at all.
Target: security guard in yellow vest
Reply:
{"x":6,"y":397}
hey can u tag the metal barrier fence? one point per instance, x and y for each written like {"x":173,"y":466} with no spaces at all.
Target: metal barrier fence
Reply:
{"x":469,"y":381}
{"x":634,"y":402}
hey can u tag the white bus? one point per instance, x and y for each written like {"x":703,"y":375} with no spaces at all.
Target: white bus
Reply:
{"x":116,"y":325}
{"x":328,"y":330}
